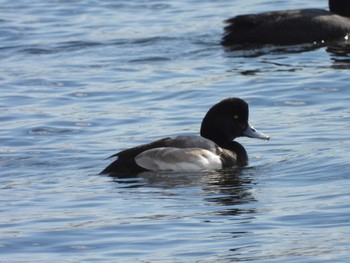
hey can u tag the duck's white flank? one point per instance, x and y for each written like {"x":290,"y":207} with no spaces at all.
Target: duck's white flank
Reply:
{"x":178,"y":159}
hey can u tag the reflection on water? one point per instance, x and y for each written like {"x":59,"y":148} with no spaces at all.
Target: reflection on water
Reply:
{"x":336,"y":48}
{"x":226,"y":188}
{"x":261,"y":50}
{"x":340,"y":55}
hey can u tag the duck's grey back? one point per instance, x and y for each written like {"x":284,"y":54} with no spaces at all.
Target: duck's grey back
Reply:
{"x":190,"y":142}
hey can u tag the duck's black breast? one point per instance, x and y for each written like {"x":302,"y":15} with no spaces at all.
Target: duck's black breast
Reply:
{"x":125,"y":162}
{"x":286,"y":27}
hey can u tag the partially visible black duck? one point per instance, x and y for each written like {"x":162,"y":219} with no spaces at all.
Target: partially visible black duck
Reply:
{"x":214,"y":149}
{"x":288,"y":27}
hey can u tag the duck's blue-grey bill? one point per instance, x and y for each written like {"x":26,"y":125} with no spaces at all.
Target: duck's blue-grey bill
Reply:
{"x":253,"y":133}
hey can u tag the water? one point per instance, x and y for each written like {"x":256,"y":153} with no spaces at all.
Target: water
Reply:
{"x":81,"y":80}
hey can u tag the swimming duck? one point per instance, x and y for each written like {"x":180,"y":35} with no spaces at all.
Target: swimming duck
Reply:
{"x":213,"y":149}
{"x":289,"y":27}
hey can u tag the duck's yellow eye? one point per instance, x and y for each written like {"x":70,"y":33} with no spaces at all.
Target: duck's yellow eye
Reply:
{"x":235,"y":117}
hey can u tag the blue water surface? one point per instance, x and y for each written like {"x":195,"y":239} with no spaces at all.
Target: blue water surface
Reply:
{"x":82,"y":80}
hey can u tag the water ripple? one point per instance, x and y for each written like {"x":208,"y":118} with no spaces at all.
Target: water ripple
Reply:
{"x":41,"y":130}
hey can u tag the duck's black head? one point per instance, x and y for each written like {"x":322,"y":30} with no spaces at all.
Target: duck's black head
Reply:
{"x":228,"y":120}
{"x":340,"y":7}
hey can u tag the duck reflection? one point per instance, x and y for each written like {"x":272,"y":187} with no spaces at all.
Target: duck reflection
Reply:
{"x":340,"y":55}
{"x":226,"y":189}
{"x":336,"y":47}
{"x":231,"y":190}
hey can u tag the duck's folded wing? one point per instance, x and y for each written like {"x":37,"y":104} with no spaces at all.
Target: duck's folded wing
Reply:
{"x":178,"y":159}
{"x":125,"y":160}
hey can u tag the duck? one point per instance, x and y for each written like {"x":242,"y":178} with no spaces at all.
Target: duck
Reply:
{"x":290,"y":27}
{"x":213,"y":149}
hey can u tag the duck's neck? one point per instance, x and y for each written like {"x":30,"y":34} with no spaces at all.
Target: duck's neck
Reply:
{"x":340,"y":7}
{"x":229,"y":144}
{"x":242,"y":156}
